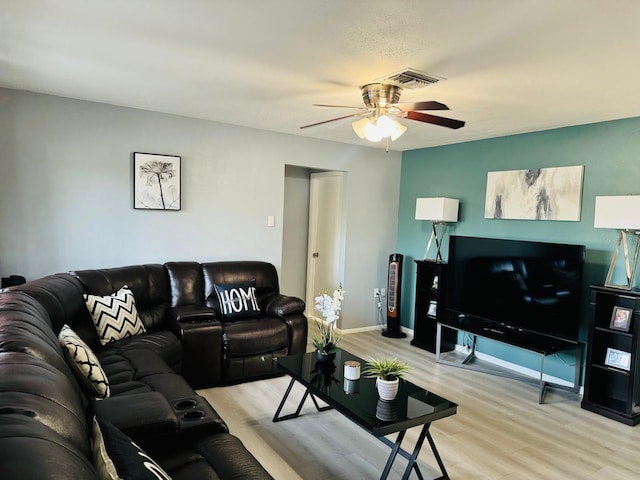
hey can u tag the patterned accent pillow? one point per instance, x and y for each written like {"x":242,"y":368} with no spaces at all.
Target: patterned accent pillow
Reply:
{"x":84,"y":364}
{"x":115,"y":316}
{"x":116,"y":457}
{"x":237,"y":300}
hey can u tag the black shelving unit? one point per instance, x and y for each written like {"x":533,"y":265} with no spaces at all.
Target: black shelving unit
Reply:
{"x":430,"y":306}
{"x":612,"y":380}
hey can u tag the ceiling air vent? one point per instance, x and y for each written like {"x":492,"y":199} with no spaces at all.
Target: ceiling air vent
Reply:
{"x":411,"y":79}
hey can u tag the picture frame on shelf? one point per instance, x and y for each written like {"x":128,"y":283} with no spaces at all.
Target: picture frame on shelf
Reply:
{"x":156,"y":181}
{"x":618,"y":359}
{"x":433,"y":308}
{"x":621,"y":318}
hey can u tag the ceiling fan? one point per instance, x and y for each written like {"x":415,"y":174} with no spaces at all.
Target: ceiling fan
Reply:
{"x":381,"y":103}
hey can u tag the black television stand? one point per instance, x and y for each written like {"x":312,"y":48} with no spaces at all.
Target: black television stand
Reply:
{"x":542,"y":345}
{"x":494,"y":330}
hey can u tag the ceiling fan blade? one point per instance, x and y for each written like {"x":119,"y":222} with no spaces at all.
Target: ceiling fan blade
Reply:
{"x":442,"y":121}
{"x":359,"y":114}
{"x":432,"y":105}
{"x":338,"y":106}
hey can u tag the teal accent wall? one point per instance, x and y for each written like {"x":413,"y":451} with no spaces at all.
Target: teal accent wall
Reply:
{"x":610,"y":153}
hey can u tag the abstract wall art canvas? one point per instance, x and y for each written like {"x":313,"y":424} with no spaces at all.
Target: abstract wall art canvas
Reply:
{"x":156,"y":181}
{"x":535,"y":194}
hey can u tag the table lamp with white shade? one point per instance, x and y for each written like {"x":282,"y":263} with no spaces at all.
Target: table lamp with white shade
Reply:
{"x":439,"y":211}
{"x":622,"y":213}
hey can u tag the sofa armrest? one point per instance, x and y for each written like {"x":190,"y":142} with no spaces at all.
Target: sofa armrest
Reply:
{"x":282,"y":305}
{"x":140,"y":414}
{"x":202,"y":352}
{"x":298,"y":330}
{"x":150,"y":419}
{"x":193,"y":314}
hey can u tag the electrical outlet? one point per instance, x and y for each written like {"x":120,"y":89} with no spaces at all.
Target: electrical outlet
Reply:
{"x":376,"y":292}
{"x":383,"y":292}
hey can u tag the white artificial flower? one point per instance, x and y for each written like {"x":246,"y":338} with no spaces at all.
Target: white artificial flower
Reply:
{"x":330,"y":306}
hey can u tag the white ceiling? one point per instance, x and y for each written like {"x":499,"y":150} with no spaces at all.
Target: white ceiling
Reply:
{"x":511,"y":66}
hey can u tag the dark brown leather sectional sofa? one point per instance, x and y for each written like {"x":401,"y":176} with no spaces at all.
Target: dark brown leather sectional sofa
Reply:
{"x":45,"y":416}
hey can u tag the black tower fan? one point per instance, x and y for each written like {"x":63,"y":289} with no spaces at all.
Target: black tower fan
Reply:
{"x":394,"y":283}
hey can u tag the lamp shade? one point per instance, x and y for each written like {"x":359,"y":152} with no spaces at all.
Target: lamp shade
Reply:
{"x":375,"y":130}
{"x":621,"y":212}
{"x":390,"y":128}
{"x":440,"y":209}
{"x":359,"y":126}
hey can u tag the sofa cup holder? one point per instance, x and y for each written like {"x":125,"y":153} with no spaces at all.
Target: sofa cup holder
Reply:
{"x":186,"y":404}
{"x":192,"y":415}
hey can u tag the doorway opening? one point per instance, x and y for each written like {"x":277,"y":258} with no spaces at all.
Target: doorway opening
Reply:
{"x":314,"y":226}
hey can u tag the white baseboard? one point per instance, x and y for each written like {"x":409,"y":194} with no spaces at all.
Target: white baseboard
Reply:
{"x":528,"y":372}
{"x":371,"y":328}
{"x":408,"y":331}
{"x":347,"y":331}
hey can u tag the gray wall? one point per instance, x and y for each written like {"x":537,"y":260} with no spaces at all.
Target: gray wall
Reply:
{"x":66,"y":192}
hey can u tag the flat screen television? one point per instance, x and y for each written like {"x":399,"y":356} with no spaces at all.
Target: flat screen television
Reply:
{"x":517,"y":285}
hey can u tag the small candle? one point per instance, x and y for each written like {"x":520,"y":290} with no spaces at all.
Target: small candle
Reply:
{"x":351,"y":370}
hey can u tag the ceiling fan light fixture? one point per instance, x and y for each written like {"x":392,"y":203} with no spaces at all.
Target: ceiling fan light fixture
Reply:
{"x":400,"y":129}
{"x":390,"y":128}
{"x":381,"y":103}
{"x":360,"y":125}
{"x":375,"y":130}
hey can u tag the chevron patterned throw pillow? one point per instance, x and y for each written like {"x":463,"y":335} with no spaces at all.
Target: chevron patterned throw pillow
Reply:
{"x":84,"y":364}
{"x":115,"y":316}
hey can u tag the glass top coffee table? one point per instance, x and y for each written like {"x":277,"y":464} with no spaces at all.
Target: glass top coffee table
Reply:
{"x":358,"y":400}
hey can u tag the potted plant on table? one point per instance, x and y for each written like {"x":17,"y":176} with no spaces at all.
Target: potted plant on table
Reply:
{"x":329,"y":307}
{"x":387,"y":373}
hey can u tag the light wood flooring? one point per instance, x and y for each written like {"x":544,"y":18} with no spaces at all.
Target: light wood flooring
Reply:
{"x":499,"y":432}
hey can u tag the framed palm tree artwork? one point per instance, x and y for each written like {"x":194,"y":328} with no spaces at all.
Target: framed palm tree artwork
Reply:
{"x":156,"y":181}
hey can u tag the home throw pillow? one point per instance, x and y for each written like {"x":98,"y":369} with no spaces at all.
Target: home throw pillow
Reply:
{"x":115,"y":316}
{"x":237,"y":300}
{"x":116,"y":457}
{"x":84,"y":364}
